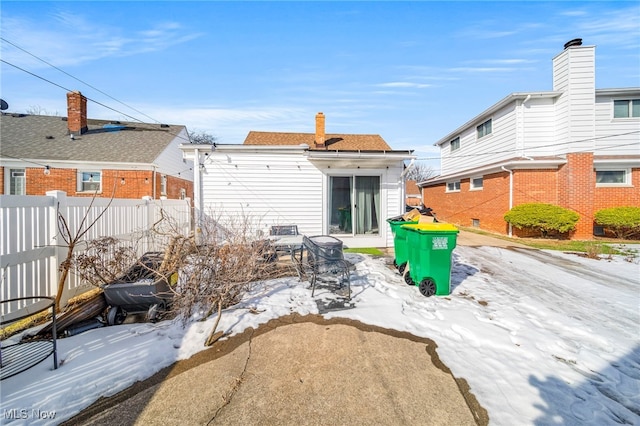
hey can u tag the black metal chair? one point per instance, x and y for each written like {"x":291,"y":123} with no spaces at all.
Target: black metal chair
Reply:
{"x":325,"y":258}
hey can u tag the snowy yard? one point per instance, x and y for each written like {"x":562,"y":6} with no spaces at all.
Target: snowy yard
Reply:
{"x":541,"y":337}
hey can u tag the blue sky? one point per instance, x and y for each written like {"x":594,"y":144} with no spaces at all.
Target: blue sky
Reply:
{"x":409,"y":71}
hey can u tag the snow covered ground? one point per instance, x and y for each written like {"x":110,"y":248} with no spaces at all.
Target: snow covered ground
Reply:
{"x":542,"y":338}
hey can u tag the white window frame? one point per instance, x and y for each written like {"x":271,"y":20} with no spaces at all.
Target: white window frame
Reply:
{"x":473,"y":186}
{"x":625,"y":170}
{"x":163,"y":185}
{"x":455,"y":184}
{"x":92,"y":175}
{"x":630,"y":109}
{"x":482,"y":128}
{"x":454,"y":145}
{"x":22,"y":179}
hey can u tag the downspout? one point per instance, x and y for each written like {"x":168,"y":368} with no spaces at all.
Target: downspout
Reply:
{"x":510,"y":193}
{"x":153,"y":181}
{"x":197,"y":202}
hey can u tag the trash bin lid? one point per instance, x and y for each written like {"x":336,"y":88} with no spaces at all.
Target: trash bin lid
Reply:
{"x":431,"y":227}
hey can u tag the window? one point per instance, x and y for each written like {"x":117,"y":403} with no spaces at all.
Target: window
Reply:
{"x":453,"y":186}
{"x":455,"y":144}
{"x":613,"y":177}
{"x":90,"y":182}
{"x":163,"y":185}
{"x":626,"y":108}
{"x":17,"y":182}
{"x":484,"y":129}
{"x":183,"y":194}
{"x":476,"y":183}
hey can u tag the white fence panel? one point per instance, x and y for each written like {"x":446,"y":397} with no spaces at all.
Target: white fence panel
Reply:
{"x":32,"y":248}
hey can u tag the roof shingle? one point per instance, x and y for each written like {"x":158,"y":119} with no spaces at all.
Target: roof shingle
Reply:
{"x":47,"y":138}
{"x":334,"y":142}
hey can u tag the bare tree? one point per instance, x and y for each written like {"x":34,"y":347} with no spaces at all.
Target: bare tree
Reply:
{"x":420,"y":172}
{"x":199,"y":137}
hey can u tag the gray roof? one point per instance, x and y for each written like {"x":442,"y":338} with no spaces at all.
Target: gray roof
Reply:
{"x":43,"y":137}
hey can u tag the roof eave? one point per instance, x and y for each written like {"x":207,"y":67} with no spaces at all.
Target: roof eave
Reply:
{"x":553,"y":163}
{"x":496,"y":107}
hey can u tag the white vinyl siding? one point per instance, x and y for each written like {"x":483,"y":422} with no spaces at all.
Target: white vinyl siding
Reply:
{"x":268,"y":189}
{"x":614,"y":136}
{"x":171,"y":161}
{"x":282,"y":188}
{"x":475,"y":152}
{"x":575,"y":112}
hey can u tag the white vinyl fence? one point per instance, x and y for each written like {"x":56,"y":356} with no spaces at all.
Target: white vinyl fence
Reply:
{"x":32,"y":248}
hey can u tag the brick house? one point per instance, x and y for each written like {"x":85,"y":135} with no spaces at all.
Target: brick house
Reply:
{"x":575,"y":146}
{"x":80,"y":156}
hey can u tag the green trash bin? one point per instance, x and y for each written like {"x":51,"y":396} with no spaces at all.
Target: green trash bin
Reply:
{"x":429,"y":262}
{"x":400,"y":242}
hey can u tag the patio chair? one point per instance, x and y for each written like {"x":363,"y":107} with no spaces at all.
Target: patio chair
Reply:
{"x":325,"y":258}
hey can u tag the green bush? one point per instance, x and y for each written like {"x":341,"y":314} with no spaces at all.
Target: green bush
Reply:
{"x":544,"y":218}
{"x":624,"y":222}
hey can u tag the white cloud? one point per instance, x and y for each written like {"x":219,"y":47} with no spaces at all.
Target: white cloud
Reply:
{"x":404,"y":84}
{"x":67,"y":39}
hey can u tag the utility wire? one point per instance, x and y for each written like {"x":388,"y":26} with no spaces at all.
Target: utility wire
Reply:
{"x":77,"y":79}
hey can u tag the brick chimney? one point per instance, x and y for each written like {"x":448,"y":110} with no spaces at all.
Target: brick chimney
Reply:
{"x":320,"y":131}
{"x":76,"y":113}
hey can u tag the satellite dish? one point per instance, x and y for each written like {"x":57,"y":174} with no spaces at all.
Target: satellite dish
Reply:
{"x":3,"y":105}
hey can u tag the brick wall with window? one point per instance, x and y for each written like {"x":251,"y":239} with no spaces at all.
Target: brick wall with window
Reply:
{"x":617,"y":196}
{"x":572,"y":185}
{"x":119,"y":183}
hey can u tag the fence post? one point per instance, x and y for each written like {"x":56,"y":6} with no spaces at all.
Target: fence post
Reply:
{"x":59,"y":204}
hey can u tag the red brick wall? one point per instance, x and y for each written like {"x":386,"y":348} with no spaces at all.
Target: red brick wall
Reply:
{"x":572,"y":186}
{"x":576,"y":189}
{"x":137,"y":183}
{"x":605,"y":197}
{"x":487,"y":205}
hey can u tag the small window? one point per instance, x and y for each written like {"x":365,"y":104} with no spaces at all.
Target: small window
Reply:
{"x":18,"y":182}
{"x":455,"y":144}
{"x":163,"y":185}
{"x":612,"y":177}
{"x":627,"y":108}
{"x":453,"y":186}
{"x":476,"y":183}
{"x":90,"y":182}
{"x":475,"y":223}
{"x":484,"y":129}
{"x":183,"y":194}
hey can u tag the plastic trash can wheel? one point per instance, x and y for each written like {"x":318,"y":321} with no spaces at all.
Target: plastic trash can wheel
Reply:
{"x":427,"y":287}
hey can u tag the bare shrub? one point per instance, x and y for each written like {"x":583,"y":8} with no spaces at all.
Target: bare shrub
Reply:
{"x":222,"y":268}
{"x":104,"y":260}
{"x":213,"y":274}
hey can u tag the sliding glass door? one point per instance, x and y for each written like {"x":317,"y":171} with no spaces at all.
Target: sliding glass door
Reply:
{"x":354,"y":205}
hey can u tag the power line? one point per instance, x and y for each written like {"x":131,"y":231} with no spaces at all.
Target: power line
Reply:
{"x":177,"y":135}
{"x":75,"y":78}
{"x":506,"y":151}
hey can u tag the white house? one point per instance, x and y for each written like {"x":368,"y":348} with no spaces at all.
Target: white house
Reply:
{"x":343,"y":185}
{"x":574,"y":146}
